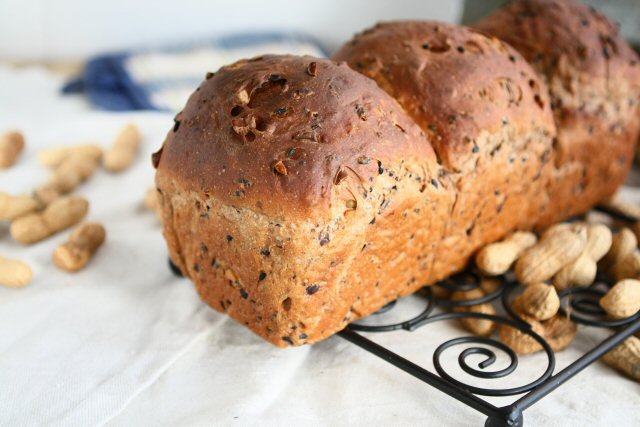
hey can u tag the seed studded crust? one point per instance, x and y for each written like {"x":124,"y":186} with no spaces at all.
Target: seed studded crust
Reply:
{"x":328,"y":233}
{"x":300,"y":200}
{"x":487,"y":123}
{"x":593,"y":77}
{"x":453,"y":96}
{"x":295,"y":138}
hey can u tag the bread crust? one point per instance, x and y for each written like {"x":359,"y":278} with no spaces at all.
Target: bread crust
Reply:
{"x":285,"y":255}
{"x":267,"y":126}
{"x":593,"y":77}
{"x":487,"y":113}
{"x":300,"y":194}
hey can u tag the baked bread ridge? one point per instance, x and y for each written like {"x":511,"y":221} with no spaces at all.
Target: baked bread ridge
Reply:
{"x":489,"y":118}
{"x":283,"y":266}
{"x":292,"y":123}
{"x":593,"y":77}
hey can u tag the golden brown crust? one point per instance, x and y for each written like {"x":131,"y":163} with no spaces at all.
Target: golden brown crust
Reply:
{"x":548,"y":32}
{"x":380,"y":195}
{"x":454,"y":82}
{"x":487,"y":113}
{"x":594,"y":82}
{"x":296,"y":256}
{"x":285,"y":126}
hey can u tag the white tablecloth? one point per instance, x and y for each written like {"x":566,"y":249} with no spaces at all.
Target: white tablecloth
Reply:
{"x":124,"y":342}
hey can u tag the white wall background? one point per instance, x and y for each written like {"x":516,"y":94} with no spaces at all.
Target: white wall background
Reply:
{"x":74,"y":29}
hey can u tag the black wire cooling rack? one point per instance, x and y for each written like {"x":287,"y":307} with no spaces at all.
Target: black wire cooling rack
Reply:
{"x":581,"y":305}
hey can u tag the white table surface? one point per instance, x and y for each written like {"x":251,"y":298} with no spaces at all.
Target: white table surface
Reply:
{"x":124,"y":342}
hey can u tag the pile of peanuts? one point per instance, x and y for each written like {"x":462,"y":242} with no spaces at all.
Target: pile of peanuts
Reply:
{"x":565,"y":255}
{"x":50,"y":208}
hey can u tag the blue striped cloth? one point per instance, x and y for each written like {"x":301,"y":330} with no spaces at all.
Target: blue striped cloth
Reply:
{"x":164,"y":79}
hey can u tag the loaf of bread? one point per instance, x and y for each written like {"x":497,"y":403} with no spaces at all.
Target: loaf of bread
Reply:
{"x":592,"y":75}
{"x":487,"y":115}
{"x":300,"y":194}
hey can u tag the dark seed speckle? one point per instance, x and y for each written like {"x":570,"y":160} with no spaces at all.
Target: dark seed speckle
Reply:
{"x":277,"y":78}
